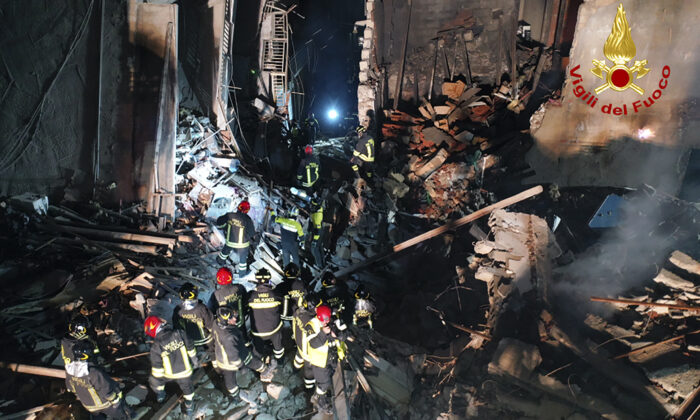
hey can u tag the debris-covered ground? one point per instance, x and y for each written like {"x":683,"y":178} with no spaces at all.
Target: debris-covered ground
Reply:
{"x":528,"y":312}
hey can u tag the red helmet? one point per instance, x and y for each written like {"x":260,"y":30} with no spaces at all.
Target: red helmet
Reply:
{"x":309,"y":149}
{"x":244,"y":206}
{"x":224,"y":276}
{"x":323,"y":313}
{"x":152,"y":325}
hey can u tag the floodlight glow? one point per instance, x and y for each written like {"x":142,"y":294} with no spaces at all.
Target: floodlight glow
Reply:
{"x":332,"y":114}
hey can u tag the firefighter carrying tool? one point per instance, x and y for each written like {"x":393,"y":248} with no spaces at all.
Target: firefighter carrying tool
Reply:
{"x":232,"y":354}
{"x":266,"y":324}
{"x":239,"y":231}
{"x":173,"y":358}
{"x":97,"y":392}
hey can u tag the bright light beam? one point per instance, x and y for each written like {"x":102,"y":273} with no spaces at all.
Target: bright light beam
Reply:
{"x":332,"y":114}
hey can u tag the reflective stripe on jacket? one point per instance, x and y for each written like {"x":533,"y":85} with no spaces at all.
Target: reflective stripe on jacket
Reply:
{"x":170,"y":355}
{"x":315,"y":344}
{"x":238,"y":228}
{"x":265,"y":305}
{"x":230,"y":351}
{"x":364,"y":149}
{"x":196,"y":322}
{"x":96,"y":390}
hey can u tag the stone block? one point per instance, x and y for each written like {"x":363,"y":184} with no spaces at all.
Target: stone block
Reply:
{"x":364,"y":65}
{"x":137,"y":395}
{"x":276,"y":391}
{"x":363,"y":77}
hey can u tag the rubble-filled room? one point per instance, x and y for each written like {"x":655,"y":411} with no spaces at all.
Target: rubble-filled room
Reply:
{"x":350,"y":209}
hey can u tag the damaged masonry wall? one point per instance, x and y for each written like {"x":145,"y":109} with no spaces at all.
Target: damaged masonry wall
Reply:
{"x":579,"y":145}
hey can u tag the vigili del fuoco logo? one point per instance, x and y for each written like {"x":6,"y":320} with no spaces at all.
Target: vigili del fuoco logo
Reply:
{"x":619,"y":48}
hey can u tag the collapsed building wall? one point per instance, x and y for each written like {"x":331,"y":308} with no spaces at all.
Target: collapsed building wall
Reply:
{"x":590,"y":141}
{"x":485,"y":29}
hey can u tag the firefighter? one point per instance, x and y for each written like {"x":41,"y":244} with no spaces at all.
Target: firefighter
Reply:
{"x":296,"y":292}
{"x":364,"y":306}
{"x":173,"y":358}
{"x":265,"y":306}
{"x":239,"y":230}
{"x":302,"y":315}
{"x":233,"y":295}
{"x":334,"y":292}
{"x":193,"y":317}
{"x":96,"y":391}
{"x":318,"y":337}
{"x":77,"y":332}
{"x":232,"y":354}
{"x":309,"y":168}
{"x":363,"y":155}
{"x":291,"y":232}
{"x":316,"y":227}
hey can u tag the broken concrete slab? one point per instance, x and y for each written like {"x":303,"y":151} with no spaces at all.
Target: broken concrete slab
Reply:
{"x":433,"y":164}
{"x":515,"y":358}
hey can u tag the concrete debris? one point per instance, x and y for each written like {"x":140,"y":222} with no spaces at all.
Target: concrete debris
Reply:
{"x":516,"y":358}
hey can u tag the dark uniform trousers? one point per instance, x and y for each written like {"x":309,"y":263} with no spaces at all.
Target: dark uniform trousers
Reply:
{"x":239,"y":230}
{"x":231,"y":355}
{"x":172,"y":355}
{"x":266,"y":322}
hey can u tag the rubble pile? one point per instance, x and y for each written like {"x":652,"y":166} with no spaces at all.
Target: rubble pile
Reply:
{"x":452,"y":143}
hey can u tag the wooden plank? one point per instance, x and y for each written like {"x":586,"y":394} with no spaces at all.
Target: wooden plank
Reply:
{"x":673,"y":281}
{"x":124,"y":236}
{"x":685,"y":262}
{"x":141,"y":249}
{"x":25,"y":413}
{"x":531,"y":192}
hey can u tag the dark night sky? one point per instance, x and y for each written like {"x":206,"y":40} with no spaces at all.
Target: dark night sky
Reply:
{"x":324,"y":40}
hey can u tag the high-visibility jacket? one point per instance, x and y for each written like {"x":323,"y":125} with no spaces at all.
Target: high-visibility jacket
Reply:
{"x":93,"y":387}
{"x":364,"y":149}
{"x":196,"y":322}
{"x":317,"y":221}
{"x":230,"y":350}
{"x":238,"y":228}
{"x":308,"y":172}
{"x":171,"y":355}
{"x":265,"y":306}
{"x":232,"y":295}
{"x":315,"y":343}
{"x":67,"y":344}
{"x":291,"y":225}
{"x":301,"y":317}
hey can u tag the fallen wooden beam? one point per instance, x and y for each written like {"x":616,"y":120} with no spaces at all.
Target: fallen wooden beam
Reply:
{"x":650,"y":304}
{"x":124,"y":236}
{"x":454,"y":224}
{"x":34,"y":370}
{"x":641,"y":349}
{"x":140,"y":249}
{"x":25,"y":413}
